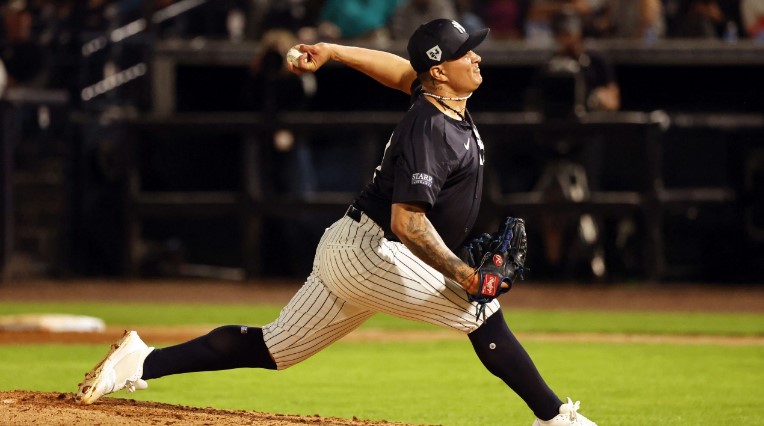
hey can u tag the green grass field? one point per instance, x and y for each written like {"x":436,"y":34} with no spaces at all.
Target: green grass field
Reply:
{"x":441,"y":381}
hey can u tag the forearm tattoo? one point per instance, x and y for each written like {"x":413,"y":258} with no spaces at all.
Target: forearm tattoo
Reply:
{"x":423,"y":240}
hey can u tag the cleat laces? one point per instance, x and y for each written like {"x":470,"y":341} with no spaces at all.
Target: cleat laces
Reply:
{"x":575,"y":418}
{"x":574,"y":409}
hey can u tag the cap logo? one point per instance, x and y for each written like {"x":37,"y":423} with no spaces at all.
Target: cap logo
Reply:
{"x":458,"y":26}
{"x":434,"y":53}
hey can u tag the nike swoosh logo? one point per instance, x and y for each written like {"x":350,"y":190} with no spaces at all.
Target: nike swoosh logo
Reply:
{"x":467,"y":144}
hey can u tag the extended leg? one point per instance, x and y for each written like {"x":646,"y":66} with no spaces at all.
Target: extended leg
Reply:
{"x":224,"y":348}
{"x":314,"y":319}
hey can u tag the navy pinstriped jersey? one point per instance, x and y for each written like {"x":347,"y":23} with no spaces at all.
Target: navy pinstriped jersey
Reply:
{"x":434,"y":160}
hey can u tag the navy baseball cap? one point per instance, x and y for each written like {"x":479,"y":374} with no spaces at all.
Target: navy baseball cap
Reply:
{"x":439,"y":41}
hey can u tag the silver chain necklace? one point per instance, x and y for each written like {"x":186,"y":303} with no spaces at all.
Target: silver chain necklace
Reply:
{"x":443,"y":98}
{"x":440,"y":100}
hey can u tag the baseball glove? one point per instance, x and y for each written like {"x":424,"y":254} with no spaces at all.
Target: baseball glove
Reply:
{"x":497,"y":258}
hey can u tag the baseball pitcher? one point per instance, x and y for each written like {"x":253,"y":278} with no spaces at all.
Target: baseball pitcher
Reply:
{"x":394,"y":251}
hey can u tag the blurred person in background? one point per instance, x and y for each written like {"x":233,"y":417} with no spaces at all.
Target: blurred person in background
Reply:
{"x":39,"y":44}
{"x":357,"y":19}
{"x":505,"y":17}
{"x":298,"y":16}
{"x":752,"y":13}
{"x":698,"y":19}
{"x":731,"y":10}
{"x":23,"y":56}
{"x":276,"y":88}
{"x":600,"y":91}
{"x":94,"y":17}
{"x":219,"y":19}
{"x":538,"y":27}
{"x":288,"y":161}
{"x":410,"y":15}
{"x":469,"y":15}
{"x":633,"y":19}
{"x":574,"y":80}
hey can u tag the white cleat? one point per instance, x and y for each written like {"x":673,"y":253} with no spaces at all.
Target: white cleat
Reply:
{"x":568,"y":417}
{"x":121,"y":368}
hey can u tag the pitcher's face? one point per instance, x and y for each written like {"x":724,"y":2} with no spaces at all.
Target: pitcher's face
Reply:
{"x":464,"y":73}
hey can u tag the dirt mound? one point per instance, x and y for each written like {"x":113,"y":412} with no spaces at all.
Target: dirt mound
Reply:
{"x":46,"y":408}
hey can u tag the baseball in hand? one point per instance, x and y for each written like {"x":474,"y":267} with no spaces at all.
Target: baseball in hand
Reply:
{"x":292,"y":56}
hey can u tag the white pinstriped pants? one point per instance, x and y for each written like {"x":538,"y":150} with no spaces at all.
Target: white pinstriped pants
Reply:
{"x":357,"y":273}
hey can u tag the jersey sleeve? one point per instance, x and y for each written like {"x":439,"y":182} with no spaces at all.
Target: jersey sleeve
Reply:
{"x":419,"y":166}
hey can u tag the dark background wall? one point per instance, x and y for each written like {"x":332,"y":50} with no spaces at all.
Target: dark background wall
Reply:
{"x":207,"y":143}
{"x":718,"y":130}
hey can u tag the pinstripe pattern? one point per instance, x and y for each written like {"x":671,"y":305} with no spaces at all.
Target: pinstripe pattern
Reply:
{"x":356,"y":273}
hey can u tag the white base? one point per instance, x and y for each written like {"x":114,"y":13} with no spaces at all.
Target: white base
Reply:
{"x":54,"y":323}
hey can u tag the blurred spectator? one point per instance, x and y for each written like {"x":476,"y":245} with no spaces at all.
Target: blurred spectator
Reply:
{"x":39,"y":43}
{"x":213,"y":19}
{"x":288,"y":161}
{"x":731,"y":10}
{"x":468,"y":15}
{"x":540,"y":12}
{"x":699,"y":19}
{"x":94,"y":15}
{"x":131,"y":10}
{"x":634,"y":19}
{"x":413,"y":13}
{"x":24,"y":58}
{"x":671,"y":15}
{"x":574,"y":80}
{"x":298,"y":16}
{"x":505,"y":19}
{"x":546,"y":9}
{"x":357,"y":19}
{"x":275,"y":88}
{"x":752,"y":12}
{"x":600,"y":88}
{"x":588,"y":76}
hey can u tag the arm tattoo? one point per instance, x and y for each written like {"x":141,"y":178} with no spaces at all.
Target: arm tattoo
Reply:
{"x":423,"y":240}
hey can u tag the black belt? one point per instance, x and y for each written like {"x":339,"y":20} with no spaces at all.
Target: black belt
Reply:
{"x":354,"y":213}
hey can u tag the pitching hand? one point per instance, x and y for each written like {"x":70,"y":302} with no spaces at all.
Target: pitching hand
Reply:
{"x":314,"y":57}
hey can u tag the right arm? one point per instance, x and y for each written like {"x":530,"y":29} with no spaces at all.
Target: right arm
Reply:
{"x":410,"y":224}
{"x":388,"y":69}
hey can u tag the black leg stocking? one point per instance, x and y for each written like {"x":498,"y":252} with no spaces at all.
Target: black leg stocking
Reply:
{"x":223,"y":348}
{"x":506,"y":359}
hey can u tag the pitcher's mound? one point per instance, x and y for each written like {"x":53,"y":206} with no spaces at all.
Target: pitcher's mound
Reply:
{"x":48,"y":408}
